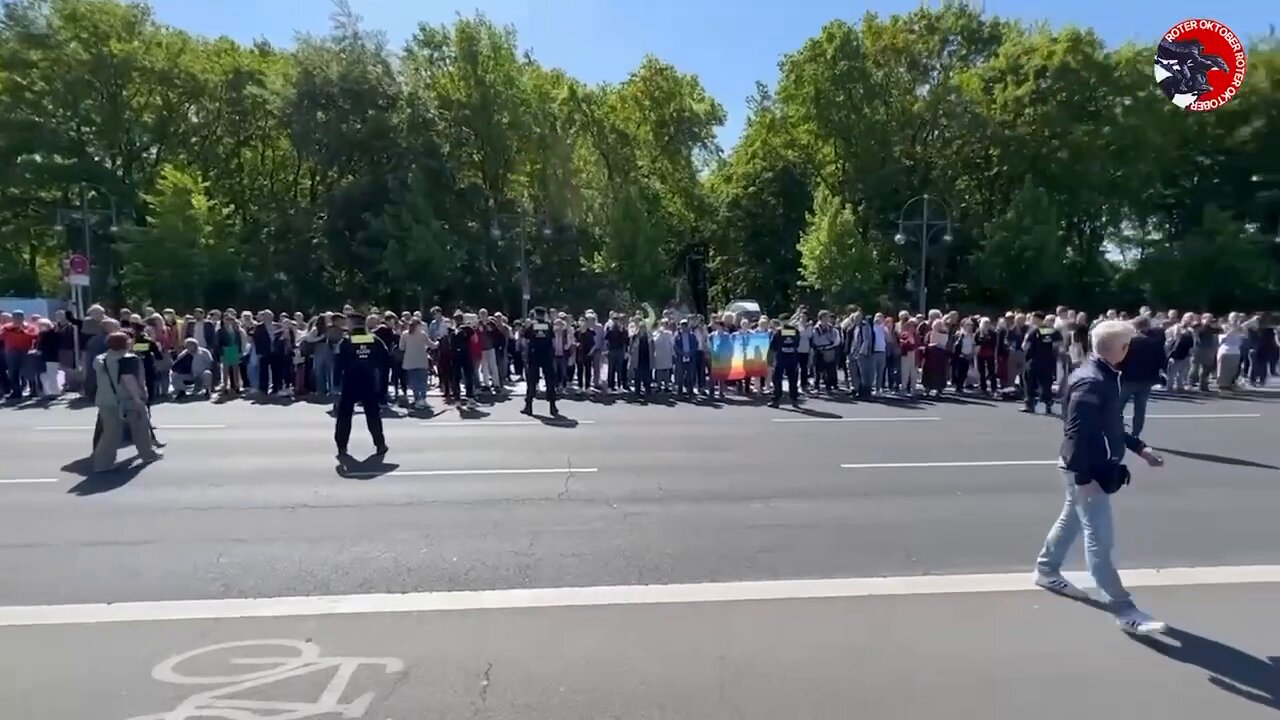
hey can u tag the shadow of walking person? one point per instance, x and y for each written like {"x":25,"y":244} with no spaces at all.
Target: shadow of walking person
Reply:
{"x":1232,"y":670}
{"x":1219,"y":459}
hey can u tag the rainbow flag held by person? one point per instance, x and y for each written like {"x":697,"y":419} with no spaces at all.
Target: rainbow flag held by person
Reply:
{"x":739,"y":355}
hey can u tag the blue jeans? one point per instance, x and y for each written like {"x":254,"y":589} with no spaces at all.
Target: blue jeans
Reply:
{"x":1086,"y":508}
{"x":16,"y":363}
{"x":322,"y":368}
{"x":416,"y":378}
{"x":1141,"y":393}
{"x":865,"y":369}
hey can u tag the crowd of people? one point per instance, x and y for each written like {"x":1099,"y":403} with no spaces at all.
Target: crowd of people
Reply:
{"x":469,"y":355}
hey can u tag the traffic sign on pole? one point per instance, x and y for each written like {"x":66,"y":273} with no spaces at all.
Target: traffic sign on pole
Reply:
{"x":77,"y":264}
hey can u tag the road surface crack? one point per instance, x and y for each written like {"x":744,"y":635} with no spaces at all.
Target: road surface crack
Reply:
{"x":568,"y":463}
{"x":484,"y":684}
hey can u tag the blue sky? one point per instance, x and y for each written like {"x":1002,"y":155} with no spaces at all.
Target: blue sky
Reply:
{"x":728,"y":44}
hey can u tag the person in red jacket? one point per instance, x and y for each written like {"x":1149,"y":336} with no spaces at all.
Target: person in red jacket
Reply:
{"x":18,"y":338}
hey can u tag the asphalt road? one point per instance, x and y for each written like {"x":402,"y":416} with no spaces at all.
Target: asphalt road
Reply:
{"x":249,"y":503}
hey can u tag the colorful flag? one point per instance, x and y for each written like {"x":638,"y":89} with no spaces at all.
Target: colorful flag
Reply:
{"x":739,"y":355}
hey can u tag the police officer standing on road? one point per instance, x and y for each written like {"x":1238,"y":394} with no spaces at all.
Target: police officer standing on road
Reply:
{"x":1041,"y":344}
{"x":785,"y":345}
{"x":362,"y":357}
{"x":539,"y":337}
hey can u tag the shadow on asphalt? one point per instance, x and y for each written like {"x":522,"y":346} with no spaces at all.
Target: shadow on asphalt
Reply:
{"x":1231,"y":669}
{"x":98,"y":483}
{"x":556,"y":421}
{"x":37,"y":404}
{"x":1219,"y":459}
{"x":471,"y":413}
{"x":369,"y":468}
{"x":809,"y":412}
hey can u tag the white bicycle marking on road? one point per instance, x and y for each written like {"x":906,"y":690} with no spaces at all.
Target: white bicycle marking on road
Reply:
{"x":216,"y":703}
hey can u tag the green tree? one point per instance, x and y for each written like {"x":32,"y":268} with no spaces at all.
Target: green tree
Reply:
{"x":838,"y":258}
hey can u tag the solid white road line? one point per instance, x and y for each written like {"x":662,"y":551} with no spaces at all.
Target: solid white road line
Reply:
{"x":855,"y":419}
{"x":501,"y":423}
{"x":1202,"y":416}
{"x":606,"y":595}
{"x":56,"y":428}
{"x":498,"y":471}
{"x":20,"y":481}
{"x":979,"y":463}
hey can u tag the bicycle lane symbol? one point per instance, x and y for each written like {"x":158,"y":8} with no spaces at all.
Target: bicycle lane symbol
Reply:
{"x":216,"y":703}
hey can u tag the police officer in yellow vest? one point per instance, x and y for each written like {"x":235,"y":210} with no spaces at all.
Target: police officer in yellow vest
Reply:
{"x":1042,"y":345}
{"x":362,"y":358}
{"x":149,"y":352}
{"x":539,"y":336}
{"x":785,"y":346}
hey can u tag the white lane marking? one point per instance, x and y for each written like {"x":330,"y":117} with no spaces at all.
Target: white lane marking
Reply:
{"x":501,"y":423}
{"x":1203,"y":416}
{"x":606,"y":595}
{"x":854,"y":420}
{"x":979,"y":463}
{"x":19,"y":481}
{"x":497,"y":471}
{"x":56,"y":428}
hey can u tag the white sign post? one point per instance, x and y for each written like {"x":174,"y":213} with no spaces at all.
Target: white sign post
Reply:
{"x":75,"y":270}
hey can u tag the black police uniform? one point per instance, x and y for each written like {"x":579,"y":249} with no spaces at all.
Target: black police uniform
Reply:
{"x":1041,"y":346}
{"x":785,"y":345}
{"x":149,"y":353}
{"x":539,"y":336}
{"x":362,"y":359}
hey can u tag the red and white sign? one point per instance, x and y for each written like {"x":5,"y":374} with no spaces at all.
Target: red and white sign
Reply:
{"x":77,"y":264}
{"x":76,"y":269}
{"x":1200,"y":64}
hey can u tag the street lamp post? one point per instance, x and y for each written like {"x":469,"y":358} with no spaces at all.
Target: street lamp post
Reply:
{"x":61,"y":215}
{"x":1268,"y":199}
{"x":927,"y":226}
{"x":496,"y":233}
{"x":84,"y":214}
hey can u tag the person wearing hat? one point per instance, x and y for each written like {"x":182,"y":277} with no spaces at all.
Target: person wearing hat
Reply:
{"x":361,"y":360}
{"x":539,"y":337}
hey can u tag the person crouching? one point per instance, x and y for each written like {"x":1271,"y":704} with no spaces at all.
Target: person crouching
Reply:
{"x":192,"y":370}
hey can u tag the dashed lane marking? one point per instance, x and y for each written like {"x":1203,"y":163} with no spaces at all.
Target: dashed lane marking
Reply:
{"x":978,"y":463}
{"x":1201,"y":416}
{"x":495,"y":471}
{"x":855,"y":419}
{"x":64,"y":428}
{"x":502,"y":423}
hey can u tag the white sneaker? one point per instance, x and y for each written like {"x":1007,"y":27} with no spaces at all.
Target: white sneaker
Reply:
{"x":1140,"y":623}
{"x":1061,"y":586}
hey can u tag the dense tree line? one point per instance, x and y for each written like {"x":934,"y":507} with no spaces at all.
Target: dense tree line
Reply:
{"x":343,"y":169}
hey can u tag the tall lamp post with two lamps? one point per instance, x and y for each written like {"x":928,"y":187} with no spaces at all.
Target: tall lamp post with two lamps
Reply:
{"x":83,"y":214}
{"x":927,"y":227}
{"x":496,"y":233}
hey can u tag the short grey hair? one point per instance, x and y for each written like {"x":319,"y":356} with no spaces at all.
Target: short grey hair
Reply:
{"x":1107,"y":334}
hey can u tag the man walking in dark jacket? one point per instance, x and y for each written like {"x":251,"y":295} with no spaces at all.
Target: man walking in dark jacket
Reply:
{"x":1140,"y":370}
{"x":1092,"y":468}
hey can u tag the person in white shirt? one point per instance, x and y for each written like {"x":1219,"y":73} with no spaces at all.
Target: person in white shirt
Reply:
{"x":1229,"y":353}
{"x":664,"y":355}
{"x":192,"y":370}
